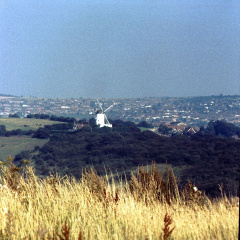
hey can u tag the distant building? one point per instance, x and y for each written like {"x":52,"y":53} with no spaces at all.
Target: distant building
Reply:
{"x":78,"y":126}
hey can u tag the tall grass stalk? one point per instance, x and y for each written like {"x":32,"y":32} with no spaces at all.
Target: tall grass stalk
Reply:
{"x":93,"y":208}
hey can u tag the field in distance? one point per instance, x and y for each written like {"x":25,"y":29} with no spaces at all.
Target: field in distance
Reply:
{"x":16,"y":144}
{"x":11,"y":146}
{"x":25,"y":123}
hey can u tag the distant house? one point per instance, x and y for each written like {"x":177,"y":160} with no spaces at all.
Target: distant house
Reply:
{"x":189,"y":131}
{"x":181,"y":128}
{"x":236,"y":137}
{"x":78,"y":126}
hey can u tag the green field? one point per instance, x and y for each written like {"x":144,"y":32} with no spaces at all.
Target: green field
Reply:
{"x":10,"y":146}
{"x":147,"y":129}
{"x":16,"y":144}
{"x":18,"y":123}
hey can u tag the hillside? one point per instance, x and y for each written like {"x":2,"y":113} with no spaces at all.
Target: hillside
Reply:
{"x":204,"y":159}
{"x":16,"y":135}
{"x":25,"y":123}
{"x":11,"y":146}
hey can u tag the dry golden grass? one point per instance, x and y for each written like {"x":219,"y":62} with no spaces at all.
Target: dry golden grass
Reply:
{"x":92,"y":208}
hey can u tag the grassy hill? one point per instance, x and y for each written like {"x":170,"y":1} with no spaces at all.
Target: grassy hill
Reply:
{"x":11,"y":146}
{"x":18,"y":123}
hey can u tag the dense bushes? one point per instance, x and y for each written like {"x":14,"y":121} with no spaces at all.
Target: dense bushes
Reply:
{"x":41,"y":133}
{"x":207,"y":160}
{"x":15,"y":115}
{"x":144,"y":124}
{"x":15,"y":132}
{"x":52,"y":117}
{"x":222,"y":129}
{"x":2,"y":130}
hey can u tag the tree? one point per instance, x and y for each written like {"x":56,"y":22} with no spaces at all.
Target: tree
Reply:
{"x":144,"y":124}
{"x":2,"y":130}
{"x":92,"y":122}
{"x":44,"y":116}
{"x":30,"y":116}
{"x":13,"y":115}
{"x":41,"y":133}
{"x":37,"y":116}
{"x":53,"y":118}
{"x":222,"y":128}
{"x":164,"y":129}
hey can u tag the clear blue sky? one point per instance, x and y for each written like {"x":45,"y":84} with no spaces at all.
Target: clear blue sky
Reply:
{"x":108,"y":48}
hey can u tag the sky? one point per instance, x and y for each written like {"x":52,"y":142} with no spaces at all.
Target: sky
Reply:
{"x":119,"y":49}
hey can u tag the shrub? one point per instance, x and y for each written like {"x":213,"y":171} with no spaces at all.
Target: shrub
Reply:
{"x":152,"y":185}
{"x":41,"y":133}
{"x":11,"y":174}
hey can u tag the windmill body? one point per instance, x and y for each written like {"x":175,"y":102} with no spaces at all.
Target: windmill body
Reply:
{"x":101,"y":119}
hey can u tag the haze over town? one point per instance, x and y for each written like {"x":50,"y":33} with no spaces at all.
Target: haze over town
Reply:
{"x":119,"y":49}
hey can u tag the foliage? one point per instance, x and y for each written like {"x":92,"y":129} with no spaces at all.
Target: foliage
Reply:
{"x":164,"y":129}
{"x":17,"y":132}
{"x":22,"y":155}
{"x":10,"y":173}
{"x":222,"y":128}
{"x":41,"y":133}
{"x":2,"y":130}
{"x":144,"y":124}
{"x":191,"y":195}
{"x":52,"y":117}
{"x":15,"y":115}
{"x":59,"y":126}
{"x":154,"y":186}
{"x":92,"y":122}
{"x":218,"y":164}
{"x":209,"y":160}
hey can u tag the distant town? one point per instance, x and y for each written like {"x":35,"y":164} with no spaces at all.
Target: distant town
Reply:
{"x":193,"y":111}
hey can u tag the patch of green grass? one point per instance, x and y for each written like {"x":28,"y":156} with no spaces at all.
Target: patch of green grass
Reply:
{"x":18,"y":123}
{"x":16,"y":144}
{"x":147,"y":129}
{"x":179,"y":169}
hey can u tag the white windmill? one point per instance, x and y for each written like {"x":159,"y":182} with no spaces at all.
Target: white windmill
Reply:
{"x":101,"y":119}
